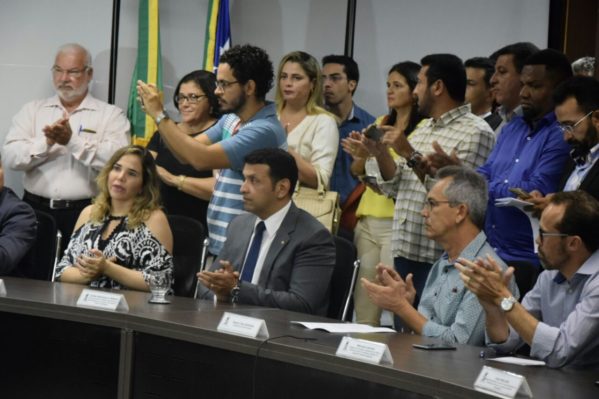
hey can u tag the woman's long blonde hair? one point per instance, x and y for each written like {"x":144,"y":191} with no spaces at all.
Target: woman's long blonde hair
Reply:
{"x":311,"y":68}
{"x":145,"y":203}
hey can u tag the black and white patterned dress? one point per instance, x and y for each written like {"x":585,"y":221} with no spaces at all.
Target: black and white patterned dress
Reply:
{"x":135,"y":249}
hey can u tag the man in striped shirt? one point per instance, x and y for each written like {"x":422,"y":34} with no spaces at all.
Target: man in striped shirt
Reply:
{"x":244,"y":76}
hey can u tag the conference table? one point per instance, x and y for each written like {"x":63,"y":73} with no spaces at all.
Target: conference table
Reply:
{"x":52,"y":348}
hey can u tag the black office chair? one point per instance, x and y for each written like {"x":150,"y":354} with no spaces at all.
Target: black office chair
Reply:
{"x":343,"y":280}
{"x":188,"y":253}
{"x":41,"y":260}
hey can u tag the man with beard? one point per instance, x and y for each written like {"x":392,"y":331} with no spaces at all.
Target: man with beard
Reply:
{"x":441,"y":91}
{"x":559,"y":317}
{"x":62,"y":142}
{"x":529,"y":155}
{"x":275,"y":255}
{"x":577,"y":106}
{"x":244,"y":76}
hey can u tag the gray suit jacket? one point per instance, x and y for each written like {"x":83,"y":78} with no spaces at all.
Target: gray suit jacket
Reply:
{"x":297,"y":269}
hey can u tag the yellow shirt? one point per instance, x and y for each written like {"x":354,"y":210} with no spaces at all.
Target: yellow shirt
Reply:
{"x":373,"y":204}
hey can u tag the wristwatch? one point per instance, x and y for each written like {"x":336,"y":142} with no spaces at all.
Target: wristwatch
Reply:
{"x":507,"y":304}
{"x":415,"y":159}
{"x":235,"y":293}
{"x":162,"y":115}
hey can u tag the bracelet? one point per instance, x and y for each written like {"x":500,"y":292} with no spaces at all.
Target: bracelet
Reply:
{"x":181,"y":181}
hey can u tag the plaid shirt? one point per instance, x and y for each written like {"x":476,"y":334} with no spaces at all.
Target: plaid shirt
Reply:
{"x":458,"y":128}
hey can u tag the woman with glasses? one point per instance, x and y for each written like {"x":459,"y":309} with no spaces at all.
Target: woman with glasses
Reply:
{"x":123,"y":236}
{"x":312,"y":134}
{"x":372,"y":234}
{"x":184,"y":190}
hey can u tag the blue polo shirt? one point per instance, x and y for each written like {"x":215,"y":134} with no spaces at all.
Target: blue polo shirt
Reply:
{"x":342,"y":180}
{"x":263,"y":130}
{"x":528,"y":158}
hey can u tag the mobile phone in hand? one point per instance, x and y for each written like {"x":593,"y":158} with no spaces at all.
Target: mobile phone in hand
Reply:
{"x":519,"y":192}
{"x":374,"y":133}
{"x":434,"y":347}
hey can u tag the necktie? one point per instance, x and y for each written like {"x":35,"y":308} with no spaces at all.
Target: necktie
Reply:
{"x":252,"y":258}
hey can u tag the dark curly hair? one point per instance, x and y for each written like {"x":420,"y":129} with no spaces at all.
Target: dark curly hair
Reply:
{"x":249,"y":62}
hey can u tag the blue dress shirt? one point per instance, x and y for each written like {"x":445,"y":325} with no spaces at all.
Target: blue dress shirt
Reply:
{"x":453,"y":312}
{"x":342,"y":180}
{"x":528,"y":158}
{"x":568,"y":314}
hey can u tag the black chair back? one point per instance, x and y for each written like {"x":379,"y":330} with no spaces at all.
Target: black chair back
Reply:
{"x":39,"y":263}
{"x":342,"y":280}
{"x":188,"y":238}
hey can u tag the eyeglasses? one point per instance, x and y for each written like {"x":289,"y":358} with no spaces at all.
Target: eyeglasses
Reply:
{"x":332,"y":78}
{"x":431,"y":203}
{"x":71,"y":73}
{"x":543,"y":233}
{"x":192,"y":98}
{"x":223,"y":84}
{"x":570,"y":128}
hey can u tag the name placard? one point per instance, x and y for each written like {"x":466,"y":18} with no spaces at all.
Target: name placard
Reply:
{"x":246,"y":326}
{"x":502,"y":384}
{"x":102,"y":300}
{"x":2,"y":288}
{"x":364,"y":351}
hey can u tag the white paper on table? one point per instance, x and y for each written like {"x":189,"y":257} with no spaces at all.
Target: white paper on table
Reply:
{"x":343,"y":327}
{"x":518,"y":360}
{"x":520,"y":204}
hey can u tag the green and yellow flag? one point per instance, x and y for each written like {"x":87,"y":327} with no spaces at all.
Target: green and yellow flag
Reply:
{"x":147,"y":68}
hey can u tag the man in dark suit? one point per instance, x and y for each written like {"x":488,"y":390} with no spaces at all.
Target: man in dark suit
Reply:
{"x":18,"y":228}
{"x":275,"y":255}
{"x":478,"y":89}
{"x":577,"y":110}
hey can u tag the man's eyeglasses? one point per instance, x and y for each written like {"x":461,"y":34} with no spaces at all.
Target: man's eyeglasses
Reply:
{"x":223,"y":84}
{"x":432,"y":203}
{"x":543,"y":233}
{"x":192,"y":98}
{"x":72,"y":73}
{"x":570,"y":128}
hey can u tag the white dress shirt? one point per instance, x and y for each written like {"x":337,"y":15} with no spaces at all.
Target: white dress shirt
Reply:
{"x":64,"y":171}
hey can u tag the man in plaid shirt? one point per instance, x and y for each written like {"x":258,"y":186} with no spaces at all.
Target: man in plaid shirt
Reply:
{"x":452,"y":127}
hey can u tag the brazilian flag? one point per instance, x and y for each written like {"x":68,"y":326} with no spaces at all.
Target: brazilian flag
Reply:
{"x":147,"y":68}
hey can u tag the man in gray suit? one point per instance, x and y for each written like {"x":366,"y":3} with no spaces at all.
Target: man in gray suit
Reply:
{"x":277,"y":255}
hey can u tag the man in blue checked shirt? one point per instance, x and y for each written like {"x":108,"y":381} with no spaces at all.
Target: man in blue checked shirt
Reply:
{"x":454,"y":214}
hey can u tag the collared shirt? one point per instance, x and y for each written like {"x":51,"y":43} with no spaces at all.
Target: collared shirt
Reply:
{"x":263,"y":130}
{"x":530,"y":159}
{"x":506,"y":117}
{"x":457,"y":129}
{"x":271,"y":224}
{"x":342,"y":180}
{"x":568,"y":314}
{"x":64,"y":171}
{"x":580,"y":171}
{"x":453,"y":312}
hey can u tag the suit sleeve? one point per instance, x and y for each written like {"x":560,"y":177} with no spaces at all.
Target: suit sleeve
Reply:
{"x":17,"y":235}
{"x":312,"y":267}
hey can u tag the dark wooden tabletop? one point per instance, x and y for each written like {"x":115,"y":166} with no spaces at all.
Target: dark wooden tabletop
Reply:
{"x":441,"y":373}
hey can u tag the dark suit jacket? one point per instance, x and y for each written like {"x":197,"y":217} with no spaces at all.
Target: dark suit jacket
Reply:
{"x":18,"y":228}
{"x":297,"y":269}
{"x":590,"y":183}
{"x":493,"y":120}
